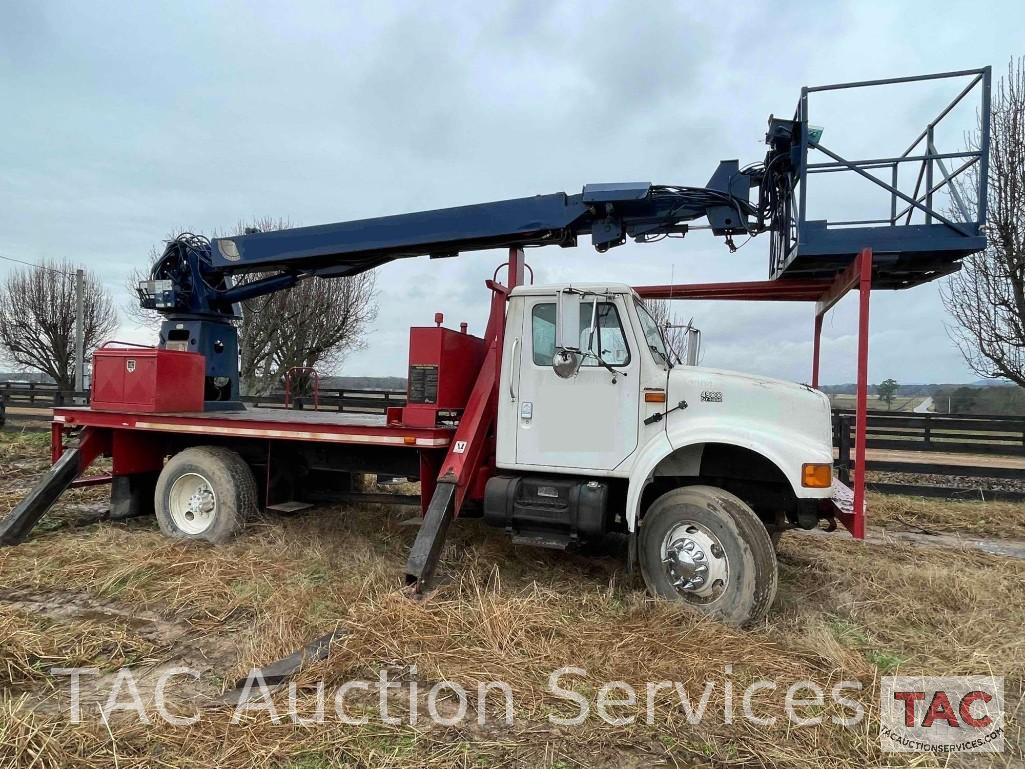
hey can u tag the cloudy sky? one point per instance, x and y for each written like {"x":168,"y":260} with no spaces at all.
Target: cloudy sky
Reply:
{"x":122,"y":122}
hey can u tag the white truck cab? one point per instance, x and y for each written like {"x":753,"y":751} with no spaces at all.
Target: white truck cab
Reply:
{"x":599,"y":431}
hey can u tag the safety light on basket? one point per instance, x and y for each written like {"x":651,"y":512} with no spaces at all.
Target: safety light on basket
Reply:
{"x":816,"y":476}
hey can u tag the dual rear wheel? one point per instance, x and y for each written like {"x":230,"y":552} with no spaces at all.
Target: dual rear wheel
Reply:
{"x":205,"y":492}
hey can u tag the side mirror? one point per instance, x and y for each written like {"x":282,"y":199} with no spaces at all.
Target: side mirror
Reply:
{"x":693,"y":345}
{"x":568,"y":357}
{"x":567,"y":321}
{"x":566,"y":363}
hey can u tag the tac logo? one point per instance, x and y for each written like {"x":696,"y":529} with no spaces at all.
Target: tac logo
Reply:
{"x":130,"y":365}
{"x":941,"y":714}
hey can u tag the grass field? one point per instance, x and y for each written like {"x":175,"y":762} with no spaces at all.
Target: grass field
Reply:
{"x":843,"y":401}
{"x":108,"y":595}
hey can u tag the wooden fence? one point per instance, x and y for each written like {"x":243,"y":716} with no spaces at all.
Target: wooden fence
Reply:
{"x":35,"y":395}
{"x":936,"y":440}
{"x":929,"y":436}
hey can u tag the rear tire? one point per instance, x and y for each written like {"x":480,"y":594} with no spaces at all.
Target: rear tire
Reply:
{"x":705,"y":547}
{"x":205,"y":492}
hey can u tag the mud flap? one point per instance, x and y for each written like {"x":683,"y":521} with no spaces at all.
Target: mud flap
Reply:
{"x":423,"y":558}
{"x":132,"y":495}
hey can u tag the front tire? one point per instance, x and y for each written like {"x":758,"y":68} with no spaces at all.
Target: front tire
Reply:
{"x":705,"y":547}
{"x":205,"y":492}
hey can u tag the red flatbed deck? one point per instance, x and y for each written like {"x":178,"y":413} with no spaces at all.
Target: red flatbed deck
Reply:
{"x":280,"y":424}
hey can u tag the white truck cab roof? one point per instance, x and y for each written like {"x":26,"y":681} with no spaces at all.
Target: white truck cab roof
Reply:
{"x":553,"y":288}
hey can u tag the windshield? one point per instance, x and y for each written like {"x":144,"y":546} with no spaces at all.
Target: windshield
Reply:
{"x":652,"y":335}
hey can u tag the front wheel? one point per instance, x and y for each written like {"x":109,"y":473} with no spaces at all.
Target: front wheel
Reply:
{"x":705,"y":547}
{"x":205,"y":492}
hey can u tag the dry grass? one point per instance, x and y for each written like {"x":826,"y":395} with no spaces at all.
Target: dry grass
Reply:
{"x":845,"y":610}
{"x":983,"y":519}
{"x":31,"y":644}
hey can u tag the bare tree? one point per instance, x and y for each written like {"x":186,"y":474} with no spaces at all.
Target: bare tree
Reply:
{"x":987,"y":297}
{"x":673,"y":331}
{"x":37,"y":318}
{"x":314,"y":324}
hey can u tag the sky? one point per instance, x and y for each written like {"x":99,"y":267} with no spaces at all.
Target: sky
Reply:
{"x":124,"y":122}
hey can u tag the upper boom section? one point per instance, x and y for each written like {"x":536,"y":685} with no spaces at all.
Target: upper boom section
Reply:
{"x":608,"y":213}
{"x":193,"y":277}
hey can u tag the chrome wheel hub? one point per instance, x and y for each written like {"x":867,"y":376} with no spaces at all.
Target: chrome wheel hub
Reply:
{"x":192,"y":503}
{"x":696,"y":563}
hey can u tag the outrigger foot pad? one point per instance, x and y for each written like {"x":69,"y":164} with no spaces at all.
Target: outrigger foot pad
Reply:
{"x":426,"y":551}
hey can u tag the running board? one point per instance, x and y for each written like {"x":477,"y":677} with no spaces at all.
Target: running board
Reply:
{"x":426,"y":551}
{"x":545,"y":540}
{"x":19,"y":522}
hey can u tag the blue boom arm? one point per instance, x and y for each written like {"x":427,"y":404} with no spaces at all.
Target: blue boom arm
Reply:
{"x":193,"y":283}
{"x":193,"y":277}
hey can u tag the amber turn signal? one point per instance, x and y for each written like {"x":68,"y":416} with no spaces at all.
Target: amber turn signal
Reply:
{"x":654,"y":397}
{"x":815,"y":476}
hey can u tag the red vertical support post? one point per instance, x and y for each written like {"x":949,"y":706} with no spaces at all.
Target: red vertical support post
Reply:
{"x":816,"y":349}
{"x":430,"y":463}
{"x":516,"y":261}
{"x":56,"y":441}
{"x":861,"y":417}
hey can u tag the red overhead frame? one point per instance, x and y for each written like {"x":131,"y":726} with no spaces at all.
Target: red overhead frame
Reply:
{"x":825,"y":293}
{"x":857,"y":275}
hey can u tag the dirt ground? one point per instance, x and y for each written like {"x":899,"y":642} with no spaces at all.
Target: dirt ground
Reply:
{"x":84,"y":592}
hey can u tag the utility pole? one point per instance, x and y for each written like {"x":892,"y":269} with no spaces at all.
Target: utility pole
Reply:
{"x":79,"y":331}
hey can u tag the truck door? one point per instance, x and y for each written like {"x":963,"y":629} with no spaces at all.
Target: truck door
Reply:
{"x":586,"y":422}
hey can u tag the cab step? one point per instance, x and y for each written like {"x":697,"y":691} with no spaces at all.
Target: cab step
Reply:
{"x":291,"y":507}
{"x":548,"y":540}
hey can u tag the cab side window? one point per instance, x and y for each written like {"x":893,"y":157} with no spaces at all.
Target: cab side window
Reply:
{"x":542,"y":331}
{"x":609,"y":339}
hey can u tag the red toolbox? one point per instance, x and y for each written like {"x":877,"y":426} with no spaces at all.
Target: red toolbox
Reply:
{"x":146,"y":379}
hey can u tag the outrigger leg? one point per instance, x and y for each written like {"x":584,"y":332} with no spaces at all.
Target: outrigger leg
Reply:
{"x":431,"y":538}
{"x":457,"y":472}
{"x":71,"y":463}
{"x":472,"y":442}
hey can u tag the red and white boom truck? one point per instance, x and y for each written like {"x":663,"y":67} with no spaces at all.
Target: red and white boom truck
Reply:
{"x":567,"y":420}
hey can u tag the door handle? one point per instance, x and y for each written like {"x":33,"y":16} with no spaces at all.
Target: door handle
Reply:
{"x":513,"y":366}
